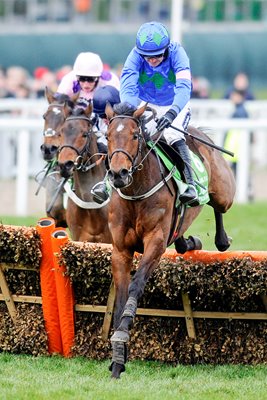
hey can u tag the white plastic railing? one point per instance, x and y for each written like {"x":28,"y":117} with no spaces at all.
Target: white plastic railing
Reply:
{"x":21,"y":127}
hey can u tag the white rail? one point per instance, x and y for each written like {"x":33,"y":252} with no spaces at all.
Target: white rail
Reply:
{"x":21,"y":127}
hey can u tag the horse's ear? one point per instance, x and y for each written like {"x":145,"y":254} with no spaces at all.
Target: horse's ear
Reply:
{"x":109,"y":111}
{"x":75,"y":97}
{"x":89,"y":109}
{"x":140,"y":111}
{"x":67,"y":108}
{"x":49,"y":94}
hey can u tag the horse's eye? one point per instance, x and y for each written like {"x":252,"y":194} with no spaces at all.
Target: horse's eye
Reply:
{"x":135,"y":135}
{"x":44,"y":115}
{"x":85,"y":135}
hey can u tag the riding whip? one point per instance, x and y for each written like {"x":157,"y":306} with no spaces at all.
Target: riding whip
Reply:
{"x":230,"y":153}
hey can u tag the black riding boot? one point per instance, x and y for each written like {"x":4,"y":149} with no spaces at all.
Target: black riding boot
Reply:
{"x":190,"y":196}
{"x":102,"y":147}
{"x":99,"y":190}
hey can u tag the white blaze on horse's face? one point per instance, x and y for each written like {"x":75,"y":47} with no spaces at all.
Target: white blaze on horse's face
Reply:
{"x":56,"y":110}
{"x":120,"y":127}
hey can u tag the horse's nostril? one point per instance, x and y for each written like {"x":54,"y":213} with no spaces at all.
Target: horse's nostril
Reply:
{"x":69,"y":165}
{"x":124,"y":173}
{"x":54,"y":149}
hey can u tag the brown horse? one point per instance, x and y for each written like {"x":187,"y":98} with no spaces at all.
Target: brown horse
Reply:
{"x":58,"y":109}
{"x":141,"y":215}
{"x":79,"y":159}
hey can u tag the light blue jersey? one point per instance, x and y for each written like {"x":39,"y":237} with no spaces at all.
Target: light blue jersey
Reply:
{"x":168,"y":84}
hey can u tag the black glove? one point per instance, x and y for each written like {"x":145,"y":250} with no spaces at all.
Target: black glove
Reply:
{"x":166,"y":120}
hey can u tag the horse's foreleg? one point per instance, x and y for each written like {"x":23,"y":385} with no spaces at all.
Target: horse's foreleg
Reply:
{"x":222,"y":241}
{"x":136,"y":288}
{"x":121,"y":267}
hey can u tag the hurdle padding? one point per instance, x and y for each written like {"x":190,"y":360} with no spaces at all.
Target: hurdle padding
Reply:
{"x":202,"y":256}
{"x":94,"y":279}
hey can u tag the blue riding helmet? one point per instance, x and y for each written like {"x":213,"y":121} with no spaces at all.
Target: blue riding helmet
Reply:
{"x":152,"y":39}
{"x":102,"y":96}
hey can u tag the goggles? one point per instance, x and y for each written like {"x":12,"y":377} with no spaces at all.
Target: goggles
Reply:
{"x":155,"y":56}
{"x":90,"y":79}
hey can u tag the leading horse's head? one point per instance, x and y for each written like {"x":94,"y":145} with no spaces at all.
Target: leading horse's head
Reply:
{"x":58,"y":109}
{"x":125,"y":138}
{"x":78,"y":142}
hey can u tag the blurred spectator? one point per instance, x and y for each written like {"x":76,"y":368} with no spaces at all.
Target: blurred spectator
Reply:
{"x":16,"y":77}
{"x":241,"y":84}
{"x":23,"y":91}
{"x":234,"y":136}
{"x":64,"y":70}
{"x":82,"y":6}
{"x":43,"y":77}
{"x":201,"y":88}
{"x":3,"y":85}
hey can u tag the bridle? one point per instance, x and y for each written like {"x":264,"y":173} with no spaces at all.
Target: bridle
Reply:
{"x":49,"y":132}
{"x":84,"y":156}
{"x":138,"y":166}
{"x":133,"y":159}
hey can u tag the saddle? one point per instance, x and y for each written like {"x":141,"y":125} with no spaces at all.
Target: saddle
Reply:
{"x":170,"y":157}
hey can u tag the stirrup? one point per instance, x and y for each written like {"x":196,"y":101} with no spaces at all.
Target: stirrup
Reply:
{"x":100,"y":192}
{"x":188,"y":198}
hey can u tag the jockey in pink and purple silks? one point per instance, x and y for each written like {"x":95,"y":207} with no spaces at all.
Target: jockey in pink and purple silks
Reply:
{"x":157,"y":71}
{"x":87,"y":75}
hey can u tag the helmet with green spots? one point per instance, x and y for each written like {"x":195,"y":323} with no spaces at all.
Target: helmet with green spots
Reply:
{"x":152,"y":39}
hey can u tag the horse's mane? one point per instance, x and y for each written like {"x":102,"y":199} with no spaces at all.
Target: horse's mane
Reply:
{"x":62,"y":98}
{"x":124,"y":109}
{"x":78,"y":111}
{"x":127,"y":109}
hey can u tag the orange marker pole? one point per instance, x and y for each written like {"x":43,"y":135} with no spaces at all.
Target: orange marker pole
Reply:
{"x":65,"y":296}
{"x":45,"y":227}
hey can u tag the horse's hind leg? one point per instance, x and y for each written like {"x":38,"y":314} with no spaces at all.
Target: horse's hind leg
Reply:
{"x":183,"y":245}
{"x":222,"y":241}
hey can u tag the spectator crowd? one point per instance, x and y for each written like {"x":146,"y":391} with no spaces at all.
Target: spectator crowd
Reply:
{"x":17,"y":82}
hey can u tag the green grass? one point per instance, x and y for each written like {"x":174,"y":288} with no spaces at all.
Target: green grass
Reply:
{"x":55,"y":378}
{"x":245,"y":223}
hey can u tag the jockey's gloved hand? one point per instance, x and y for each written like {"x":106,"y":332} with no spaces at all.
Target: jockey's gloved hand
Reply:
{"x":166,"y":120}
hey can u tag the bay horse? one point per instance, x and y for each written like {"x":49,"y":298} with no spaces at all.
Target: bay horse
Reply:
{"x":141,"y":215}
{"x":79,"y":159}
{"x":54,"y":118}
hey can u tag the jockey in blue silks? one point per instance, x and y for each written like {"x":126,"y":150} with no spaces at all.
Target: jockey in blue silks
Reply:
{"x":157,"y":71}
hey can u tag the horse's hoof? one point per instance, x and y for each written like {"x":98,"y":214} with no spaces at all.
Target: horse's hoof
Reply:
{"x":224,"y":246}
{"x":196,"y":243}
{"x":116,"y":370}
